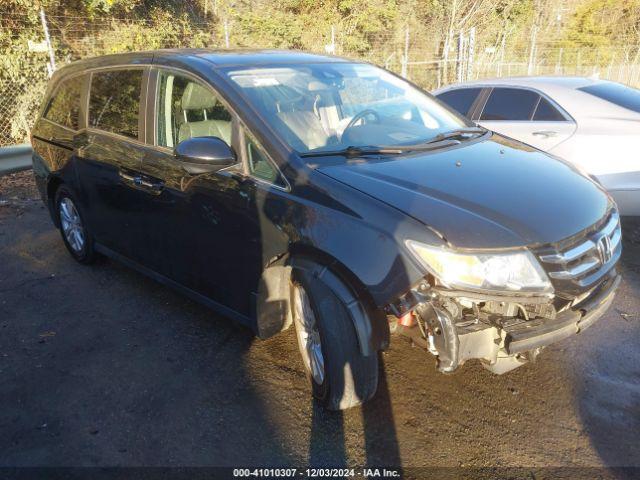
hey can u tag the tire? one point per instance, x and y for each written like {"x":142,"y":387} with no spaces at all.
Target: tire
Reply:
{"x":349,"y":378}
{"x":75,"y":235}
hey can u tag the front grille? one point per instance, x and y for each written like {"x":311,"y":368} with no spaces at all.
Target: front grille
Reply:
{"x":577,"y":265}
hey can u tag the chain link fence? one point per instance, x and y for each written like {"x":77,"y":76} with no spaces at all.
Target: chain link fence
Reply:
{"x":417,"y":56}
{"x":431,"y":74}
{"x":19,"y":103}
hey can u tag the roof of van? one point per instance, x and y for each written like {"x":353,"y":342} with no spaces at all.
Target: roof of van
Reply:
{"x":219,"y":58}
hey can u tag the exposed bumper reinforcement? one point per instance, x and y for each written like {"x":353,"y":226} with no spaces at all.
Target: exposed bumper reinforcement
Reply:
{"x":534,"y":334}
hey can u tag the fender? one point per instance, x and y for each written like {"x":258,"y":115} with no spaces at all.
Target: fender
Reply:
{"x":361,"y":262}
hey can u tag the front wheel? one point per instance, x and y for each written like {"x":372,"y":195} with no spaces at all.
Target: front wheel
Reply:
{"x":340,"y":376}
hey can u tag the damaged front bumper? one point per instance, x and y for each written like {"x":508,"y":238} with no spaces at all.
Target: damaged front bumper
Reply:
{"x":503,"y":333}
{"x":534,"y":334}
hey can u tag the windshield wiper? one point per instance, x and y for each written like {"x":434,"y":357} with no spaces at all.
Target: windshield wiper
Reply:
{"x":459,"y":133}
{"x":435,"y":142}
{"x":352,"y":151}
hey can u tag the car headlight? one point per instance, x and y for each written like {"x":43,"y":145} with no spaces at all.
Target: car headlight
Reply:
{"x":513,"y":271}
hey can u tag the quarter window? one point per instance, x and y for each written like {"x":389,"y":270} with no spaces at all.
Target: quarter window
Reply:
{"x":64,"y":106}
{"x":259,"y":165}
{"x":114,"y":104}
{"x":460,"y":100}
{"x":510,"y":104}
{"x":188,"y":109}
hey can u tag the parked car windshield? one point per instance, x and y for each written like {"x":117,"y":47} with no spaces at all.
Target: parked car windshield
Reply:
{"x":332,"y":106}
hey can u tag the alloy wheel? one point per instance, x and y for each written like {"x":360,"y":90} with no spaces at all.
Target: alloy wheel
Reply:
{"x":72,"y":227}
{"x":308,"y":335}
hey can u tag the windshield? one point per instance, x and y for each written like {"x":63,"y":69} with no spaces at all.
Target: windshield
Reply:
{"x":333,"y":106}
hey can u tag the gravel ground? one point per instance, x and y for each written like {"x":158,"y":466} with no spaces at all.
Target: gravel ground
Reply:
{"x":100,"y":366}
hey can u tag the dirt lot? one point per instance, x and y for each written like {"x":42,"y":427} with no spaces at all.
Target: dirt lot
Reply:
{"x":102,"y":366}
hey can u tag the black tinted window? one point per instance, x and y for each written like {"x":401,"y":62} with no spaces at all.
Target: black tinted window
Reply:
{"x":616,"y":93}
{"x":64,"y":106}
{"x":460,"y":100}
{"x":510,"y":104}
{"x":115,"y":101}
{"x":547,"y":112}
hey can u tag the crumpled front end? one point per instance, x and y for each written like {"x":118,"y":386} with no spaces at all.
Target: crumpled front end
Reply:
{"x":504,"y":332}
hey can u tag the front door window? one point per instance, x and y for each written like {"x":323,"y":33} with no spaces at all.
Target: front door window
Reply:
{"x":187,"y":109}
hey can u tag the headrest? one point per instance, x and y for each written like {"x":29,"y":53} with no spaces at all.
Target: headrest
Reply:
{"x":197,"y":97}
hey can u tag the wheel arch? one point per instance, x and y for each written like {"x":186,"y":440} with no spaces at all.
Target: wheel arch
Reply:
{"x":52,"y":187}
{"x":369,"y":321}
{"x":273,"y":311}
{"x":345,"y":274}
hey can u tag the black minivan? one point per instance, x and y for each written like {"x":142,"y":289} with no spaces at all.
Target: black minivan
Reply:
{"x":286,"y":188}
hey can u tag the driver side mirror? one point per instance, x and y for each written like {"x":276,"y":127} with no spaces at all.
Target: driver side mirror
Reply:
{"x":204,"y":154}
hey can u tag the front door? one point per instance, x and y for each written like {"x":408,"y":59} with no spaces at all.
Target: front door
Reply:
{"x":194,"y":225}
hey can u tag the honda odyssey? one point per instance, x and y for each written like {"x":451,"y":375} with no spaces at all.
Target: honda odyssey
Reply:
{"x":284,"y":188}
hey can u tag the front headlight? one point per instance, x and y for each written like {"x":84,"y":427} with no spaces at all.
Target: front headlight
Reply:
{"x":514,"y":271}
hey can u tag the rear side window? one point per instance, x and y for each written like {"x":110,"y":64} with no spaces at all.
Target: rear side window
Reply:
{"x":617,"y":94}
{"x":460,"y":100}
{"x":547,"y":112}
{"x":510,"y":104}
{"x":114,"y":101}
{"x":64,"y":106}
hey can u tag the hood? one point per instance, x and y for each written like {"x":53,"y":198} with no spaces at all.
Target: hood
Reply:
{"x":491,"y":193}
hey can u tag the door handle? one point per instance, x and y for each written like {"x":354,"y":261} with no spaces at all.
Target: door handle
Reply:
{"x":126,"y":177}
{"x":153,"y":185}
{"x":141,"y":182}
{"x":545,"y":133}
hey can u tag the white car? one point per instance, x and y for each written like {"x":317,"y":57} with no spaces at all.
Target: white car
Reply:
{"x":594,"y":124}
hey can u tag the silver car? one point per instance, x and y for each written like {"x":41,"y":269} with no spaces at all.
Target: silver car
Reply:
{"x":594,"y":124}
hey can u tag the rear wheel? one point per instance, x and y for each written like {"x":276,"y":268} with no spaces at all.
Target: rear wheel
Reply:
{"x":340,"y":376}
{"x":75,"y":235}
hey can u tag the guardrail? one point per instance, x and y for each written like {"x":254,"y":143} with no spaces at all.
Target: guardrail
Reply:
{"x":15,"y":158}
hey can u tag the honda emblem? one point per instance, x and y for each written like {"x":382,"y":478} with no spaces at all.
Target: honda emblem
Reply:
{"x":604,"y":249}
